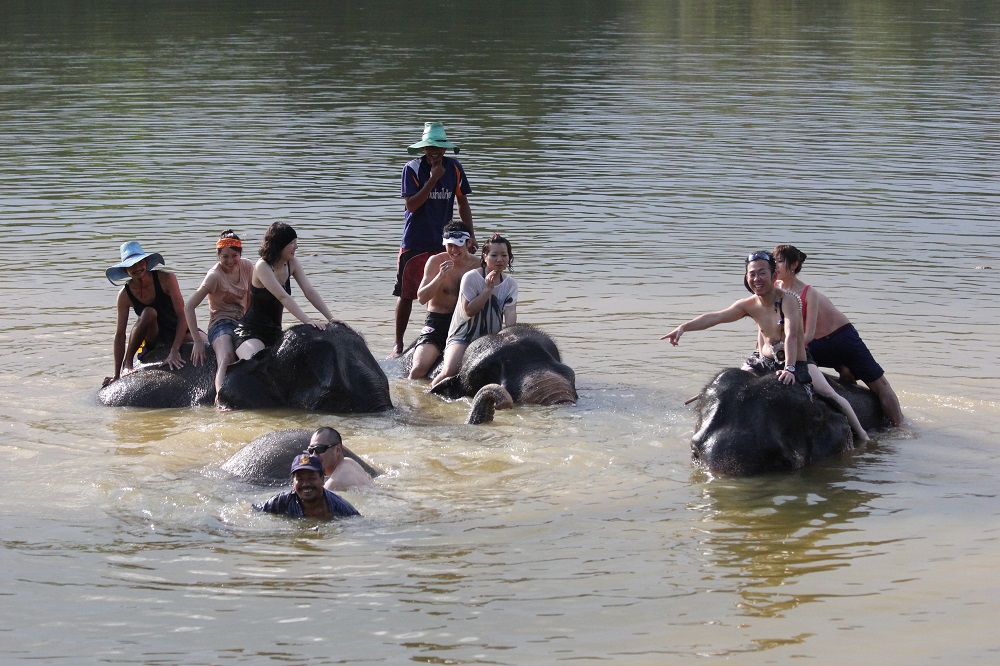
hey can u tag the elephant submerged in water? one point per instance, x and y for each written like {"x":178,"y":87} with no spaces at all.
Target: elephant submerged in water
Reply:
{"x":750,"y":424}
{"x":520,"y":364}
{"x":328,"y":370}
{"x":265,"y":460}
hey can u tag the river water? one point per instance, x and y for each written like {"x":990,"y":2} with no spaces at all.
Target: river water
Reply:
{"x":633,"y":152}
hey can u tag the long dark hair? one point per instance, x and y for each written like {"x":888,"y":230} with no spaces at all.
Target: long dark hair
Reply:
{"x":278,"y":235}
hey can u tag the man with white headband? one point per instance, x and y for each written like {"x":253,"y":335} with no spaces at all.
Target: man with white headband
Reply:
{"x":439,"y":292}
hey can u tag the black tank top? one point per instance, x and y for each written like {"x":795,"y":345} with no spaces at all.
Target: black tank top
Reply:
{"x":264,"y":314}
{"x":166,"y":317}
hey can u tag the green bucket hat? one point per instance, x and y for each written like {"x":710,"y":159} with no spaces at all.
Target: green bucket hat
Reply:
{"x":433,"y":136}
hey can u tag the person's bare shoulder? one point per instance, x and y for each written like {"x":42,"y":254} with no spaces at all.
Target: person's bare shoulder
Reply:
{"x":348,"y":474}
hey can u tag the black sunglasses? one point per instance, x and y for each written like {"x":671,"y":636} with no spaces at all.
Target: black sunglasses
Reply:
{"x":457,"y":235}
{"x":322,"y":448}
{"x":762,"y":255}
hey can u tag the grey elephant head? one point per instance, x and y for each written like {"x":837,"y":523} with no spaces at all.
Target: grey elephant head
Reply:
{"x":520,"y":364}
{"x":749,"y":424}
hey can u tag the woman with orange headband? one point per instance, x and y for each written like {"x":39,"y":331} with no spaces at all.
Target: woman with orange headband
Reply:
{"x":227,"y":286}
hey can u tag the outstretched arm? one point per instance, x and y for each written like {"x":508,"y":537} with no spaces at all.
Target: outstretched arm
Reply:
{"x":311,"y":295}
{"x":734,"y":312}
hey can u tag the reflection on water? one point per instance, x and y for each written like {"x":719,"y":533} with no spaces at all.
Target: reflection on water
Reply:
{"x":633,"y":152}
{"x":769,"y":533}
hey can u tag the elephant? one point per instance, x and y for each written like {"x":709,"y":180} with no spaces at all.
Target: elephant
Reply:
{"x":265,"y":460}
{"x":520,"y":364}
{"x":324,"y":370}
{"x":752,"y":424}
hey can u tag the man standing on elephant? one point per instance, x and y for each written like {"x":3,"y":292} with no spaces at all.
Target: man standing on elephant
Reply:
{"x":431,"y":184}
{"x":341,"y":472}
{"x":778,"y":315}
{"x":439,"y":292}
{"x":307,"y":498}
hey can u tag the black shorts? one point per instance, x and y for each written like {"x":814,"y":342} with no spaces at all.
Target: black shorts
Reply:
{"x":845,"y":347}
{"x":435,"y":330}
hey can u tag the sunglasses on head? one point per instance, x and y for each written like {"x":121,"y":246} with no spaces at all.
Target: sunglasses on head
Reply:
{"x":457,"y":235}
{"x":322,"y":448}
{"x":761,"y":255}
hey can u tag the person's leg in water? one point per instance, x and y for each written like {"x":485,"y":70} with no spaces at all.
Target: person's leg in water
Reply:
{"x":887,"y":398}
{"x":404,"y":306}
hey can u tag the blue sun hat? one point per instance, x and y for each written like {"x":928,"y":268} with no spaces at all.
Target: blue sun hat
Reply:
{"x":132,"y":254}
{"x":433,"y":136}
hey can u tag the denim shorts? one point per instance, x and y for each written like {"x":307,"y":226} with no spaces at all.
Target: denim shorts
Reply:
{"x":219,"y":328}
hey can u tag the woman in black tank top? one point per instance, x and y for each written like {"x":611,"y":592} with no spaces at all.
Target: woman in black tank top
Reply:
{"x":156,"y":299}
{"x":270,"y":293}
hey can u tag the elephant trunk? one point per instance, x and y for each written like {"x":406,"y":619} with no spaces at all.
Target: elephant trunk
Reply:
{"x":489,"y":399}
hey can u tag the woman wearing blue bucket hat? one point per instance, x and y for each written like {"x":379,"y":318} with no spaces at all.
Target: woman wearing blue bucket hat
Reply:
{"x":156,"y":299}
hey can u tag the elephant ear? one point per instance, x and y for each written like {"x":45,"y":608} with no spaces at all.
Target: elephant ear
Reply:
{"x":449,"y":388}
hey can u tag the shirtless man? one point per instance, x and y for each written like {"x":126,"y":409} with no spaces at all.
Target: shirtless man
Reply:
{"x":439,"y":291}
{"x":829,"y":335}
{"x":341,"y":472}
{"x":779,"y":322}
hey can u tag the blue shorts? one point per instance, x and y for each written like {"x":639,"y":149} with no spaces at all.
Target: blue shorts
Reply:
{"x":219,"y":328}
{"x":845,"y":347}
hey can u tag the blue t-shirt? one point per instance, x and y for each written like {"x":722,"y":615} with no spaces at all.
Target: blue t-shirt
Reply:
{"x":288,"y":504}
{"x":423,"y":229}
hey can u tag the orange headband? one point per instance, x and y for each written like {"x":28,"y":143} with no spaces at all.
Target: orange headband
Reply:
{"x":228,"y":242}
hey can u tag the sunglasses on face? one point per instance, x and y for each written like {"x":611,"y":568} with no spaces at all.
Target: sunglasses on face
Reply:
{"x":759,"y":256}
{"x":322,"y":448}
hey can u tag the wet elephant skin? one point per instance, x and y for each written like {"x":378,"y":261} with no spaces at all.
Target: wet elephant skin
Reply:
{"x":328,"y":370}
{"x":749,"y":424}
